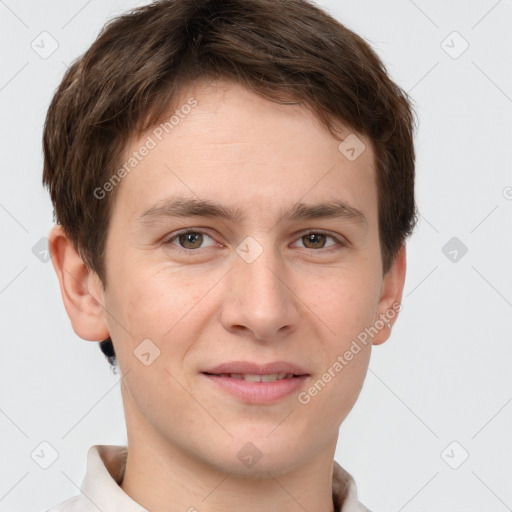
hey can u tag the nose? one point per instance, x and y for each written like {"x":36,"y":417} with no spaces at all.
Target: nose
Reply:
{"x":261,"y":301}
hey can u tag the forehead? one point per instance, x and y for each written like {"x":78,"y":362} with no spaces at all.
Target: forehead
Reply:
{"x":222,"y":141}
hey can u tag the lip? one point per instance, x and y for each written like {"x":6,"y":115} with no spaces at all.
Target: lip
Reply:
{"x":257,"y":369}
{"x":257,"y":392}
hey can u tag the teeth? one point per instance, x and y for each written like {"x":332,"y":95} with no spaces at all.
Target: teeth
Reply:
{"x":258,"y":378}
{"x":273,"y":377}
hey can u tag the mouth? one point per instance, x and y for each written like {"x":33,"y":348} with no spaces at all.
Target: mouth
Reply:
{"x":252,"y":377}
{"x":257,"y":384}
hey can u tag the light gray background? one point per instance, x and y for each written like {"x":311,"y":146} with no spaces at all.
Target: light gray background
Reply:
{"x":444,"y":375}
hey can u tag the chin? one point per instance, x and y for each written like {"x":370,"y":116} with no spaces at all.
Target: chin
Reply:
{"x":256,"y":452}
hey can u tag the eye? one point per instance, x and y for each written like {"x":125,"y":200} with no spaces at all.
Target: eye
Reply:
{"x":317,"y":240}
{"x":188,"y":240}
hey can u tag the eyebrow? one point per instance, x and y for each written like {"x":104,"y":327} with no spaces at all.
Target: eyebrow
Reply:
{"x":190,"y":207}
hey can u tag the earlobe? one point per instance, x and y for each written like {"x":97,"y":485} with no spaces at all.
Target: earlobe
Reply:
{"x":80,"y":288}
{"x":390,"y":303}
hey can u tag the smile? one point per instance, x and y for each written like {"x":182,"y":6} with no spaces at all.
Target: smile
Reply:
{"x":258,"y":378}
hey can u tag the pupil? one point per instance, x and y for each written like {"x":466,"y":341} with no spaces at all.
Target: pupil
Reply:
{"x":192,"y":239}
{"x":311,"y":239}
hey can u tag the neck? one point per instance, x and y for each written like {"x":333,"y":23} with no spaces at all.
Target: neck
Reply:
{"x":165,"y":479}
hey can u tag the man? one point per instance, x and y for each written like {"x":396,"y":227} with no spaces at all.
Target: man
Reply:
{"x":233,"y":183}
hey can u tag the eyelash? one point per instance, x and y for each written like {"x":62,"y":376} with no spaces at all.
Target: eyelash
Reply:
{"x":168,"y":241}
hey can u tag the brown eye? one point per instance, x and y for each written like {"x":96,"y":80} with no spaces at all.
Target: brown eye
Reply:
{"x":320,"y":240}
{"x":314,"y":240}
{"x":190,"y":240}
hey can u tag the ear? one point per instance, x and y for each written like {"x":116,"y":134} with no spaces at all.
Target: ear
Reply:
{"x":81,"y":288}
{"x":390,"y":302}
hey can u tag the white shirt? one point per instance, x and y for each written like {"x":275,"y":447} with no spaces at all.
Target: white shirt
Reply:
{"x":105,"y":471}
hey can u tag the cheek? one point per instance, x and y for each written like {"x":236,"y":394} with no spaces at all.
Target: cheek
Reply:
{"x":157,"y":305}
{"x":347,"y":307}
{"x":346,"y":304}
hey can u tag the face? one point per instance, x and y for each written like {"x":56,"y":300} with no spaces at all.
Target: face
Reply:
{"x":273,"y":283}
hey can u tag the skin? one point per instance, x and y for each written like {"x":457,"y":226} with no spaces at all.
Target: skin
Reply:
{"x":296,"y":302}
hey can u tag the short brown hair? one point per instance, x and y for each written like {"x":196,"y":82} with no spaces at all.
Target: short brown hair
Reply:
{"x":285,"y":50}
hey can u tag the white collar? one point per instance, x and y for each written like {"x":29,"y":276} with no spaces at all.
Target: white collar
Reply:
{"x":105,"y":470}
